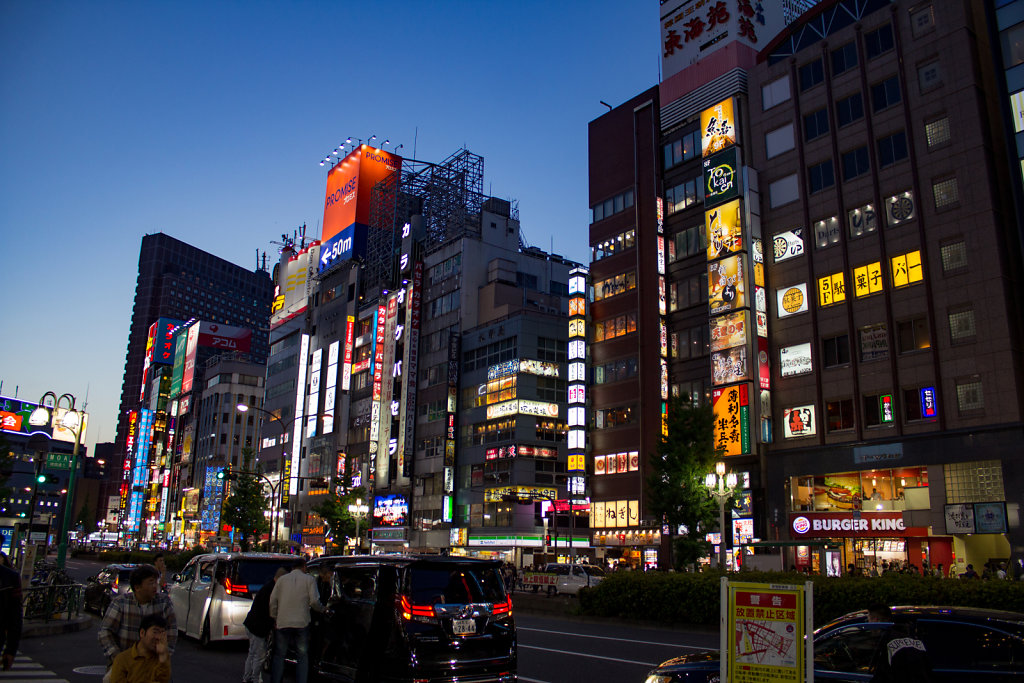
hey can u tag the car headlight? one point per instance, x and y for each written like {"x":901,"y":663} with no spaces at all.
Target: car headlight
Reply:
{"x":658,"y":678}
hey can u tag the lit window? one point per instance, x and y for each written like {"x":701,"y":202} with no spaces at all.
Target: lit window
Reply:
{"x":937,"y":132}
{"x":906,"y":269}
{"x":969,"y":395}
{"x":946,"y":193}
{"x":831,"y":289}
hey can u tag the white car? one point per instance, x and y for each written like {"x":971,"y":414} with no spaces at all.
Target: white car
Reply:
{"x":569,"y":578}
{"x":213,"y":593}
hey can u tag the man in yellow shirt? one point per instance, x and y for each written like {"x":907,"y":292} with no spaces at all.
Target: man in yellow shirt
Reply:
{"x":148,"y":660}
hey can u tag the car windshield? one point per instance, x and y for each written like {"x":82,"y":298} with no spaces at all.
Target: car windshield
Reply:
{"x":593,"y":571}
{"x":458,"y":584}
{"x":122,"y":576}
{"x":255,"y":573}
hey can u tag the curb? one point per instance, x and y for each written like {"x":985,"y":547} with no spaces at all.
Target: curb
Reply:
{"x":33,"y":628}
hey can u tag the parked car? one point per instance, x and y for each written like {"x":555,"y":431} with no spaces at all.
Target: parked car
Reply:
{"x":213,"y":593}
{"x":563,"y":578}
{"x":963,"y":644}
{"x":101,"y":589}
{"x":415,"y":618}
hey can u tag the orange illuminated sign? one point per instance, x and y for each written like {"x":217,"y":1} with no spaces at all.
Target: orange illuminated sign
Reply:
{"x":349,"y":185}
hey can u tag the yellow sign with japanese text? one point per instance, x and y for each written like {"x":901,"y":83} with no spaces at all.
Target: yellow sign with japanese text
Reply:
{"x":766,"y":632}
{"x":831,"y":289}
{"x":906,"y":269}
{"x":867,"y":279}
{"x":718,"y":126}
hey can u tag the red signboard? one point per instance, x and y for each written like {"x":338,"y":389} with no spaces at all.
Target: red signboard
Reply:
{"x":884,"y":524}
{"x":349,"y":185}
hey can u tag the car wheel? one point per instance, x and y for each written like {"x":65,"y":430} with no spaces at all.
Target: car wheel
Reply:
{"x":204,"y":635}
{"x":552,"y":591}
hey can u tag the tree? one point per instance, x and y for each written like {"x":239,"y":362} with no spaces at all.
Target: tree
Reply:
{"x":84,"y":519}
{"x":676,"y":489}
{"x":244,"y":508}
{"x":339,"y":521}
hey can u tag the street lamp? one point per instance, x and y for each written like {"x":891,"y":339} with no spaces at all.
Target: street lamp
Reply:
{"x":721,"y":486}
{"x":275,"y":506}
{"x":358,"y":510}
{"x":73,"y":420}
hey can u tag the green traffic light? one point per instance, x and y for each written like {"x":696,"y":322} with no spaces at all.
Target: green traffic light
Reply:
{"x":220,"y":474}
{"x":41,"y":478}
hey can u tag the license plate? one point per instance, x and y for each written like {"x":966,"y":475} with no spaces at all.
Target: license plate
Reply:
{"x":462,"y":627}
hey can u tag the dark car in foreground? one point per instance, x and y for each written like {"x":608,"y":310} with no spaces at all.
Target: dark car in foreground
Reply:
{"x":408,"y":618}
{"x":963,"y":644}
{"x":102,"y":588}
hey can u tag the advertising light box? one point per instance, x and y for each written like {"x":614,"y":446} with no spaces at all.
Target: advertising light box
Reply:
{"x":731,"y":408}
{"x":723,"y":227}
{"x":792,"y":300}
{"x":721,"y":177}
{"x":795,"y":360}
{"x":391,"y":510}
{"x":730,"y":366}
{"x":718,"y":128}
{"x":798,"y":421}
{"x":725,"y":285}
{"x":788,"y":244}
{"x":729,"y":330}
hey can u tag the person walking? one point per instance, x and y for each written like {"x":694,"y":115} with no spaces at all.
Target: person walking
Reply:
{"x":147,"y":661}
{"x":119,"y":629}
{"x":258,"y":626}
{"x":294,"y":595}
{"x":161,"y":566}
{"x":10,"y":613}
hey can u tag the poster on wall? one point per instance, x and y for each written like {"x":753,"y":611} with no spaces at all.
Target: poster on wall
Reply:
{"x":729,"y":330}
{"x":725,"y":285}
{"x":798,"y":421}
{"x":791,"y":300}
{"x":959,"y":518}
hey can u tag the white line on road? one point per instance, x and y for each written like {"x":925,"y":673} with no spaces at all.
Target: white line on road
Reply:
{"x":529,"y":680}
{"x":618,"y":640}
{"x":583,"y":654}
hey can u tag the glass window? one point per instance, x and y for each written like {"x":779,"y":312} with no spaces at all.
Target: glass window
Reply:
{"x":784,"y":191}
{"x":811,"y":74}
{"x":885,"y":94}
{"x":839,"y":414}
{"x":850,"y":109}
{"x":855,"y":163}
{"x":968,"y":394}
{"x":960,"y":646}
{"x":778,"y":141}
{"x":891,"y":149}
{"x":815,"y":124}
{"x":774,"y":93}
{"x":913,"y":335}
{"x":826,"y":232}
{"x":937,"y":132}
{"x":862,"y":221}
{"x":929,"y":75}
{"x":954,"y":256}
{"x":879,"y":41}
{"x":1012,"y":40}
{"x":946,"y":193}
{"x":844,"y":58}
{"x":961,"y":325}
{"x":836,"y":351}
{"x":878,"y":410}
{"x":922,"y":20}
{"x":821,"y":176}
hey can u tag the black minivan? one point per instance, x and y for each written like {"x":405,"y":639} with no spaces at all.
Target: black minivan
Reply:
{"x":415,"y":619}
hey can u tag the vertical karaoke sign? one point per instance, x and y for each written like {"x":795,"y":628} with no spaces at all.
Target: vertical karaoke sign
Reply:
{"x":577,"y":384}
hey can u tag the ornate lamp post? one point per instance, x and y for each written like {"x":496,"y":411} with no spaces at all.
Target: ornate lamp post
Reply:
{"x":359,"y":509}
{"x":74,"y":421}
{"x":279,"y":488}
{"x":721,"y":486}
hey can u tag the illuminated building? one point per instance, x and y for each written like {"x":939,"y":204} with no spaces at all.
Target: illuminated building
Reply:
{"x":865,"y":341}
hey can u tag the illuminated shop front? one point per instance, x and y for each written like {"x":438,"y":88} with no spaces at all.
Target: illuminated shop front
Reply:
{"x":859,"y":518}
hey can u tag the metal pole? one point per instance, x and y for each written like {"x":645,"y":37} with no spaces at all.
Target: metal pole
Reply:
{"x":69,"y":501}
{"x":721,"y":522}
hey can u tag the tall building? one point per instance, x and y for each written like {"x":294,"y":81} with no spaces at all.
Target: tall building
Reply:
{"x":865,"y":371}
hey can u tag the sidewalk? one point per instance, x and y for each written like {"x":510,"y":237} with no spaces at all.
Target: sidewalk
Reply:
{"x":34,"y":628}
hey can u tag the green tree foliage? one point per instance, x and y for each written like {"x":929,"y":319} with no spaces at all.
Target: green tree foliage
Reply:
{"x":84,"y":519}
{"x":677,"y":493}
{"x":244,"y":508}
{"x":339,"y":521}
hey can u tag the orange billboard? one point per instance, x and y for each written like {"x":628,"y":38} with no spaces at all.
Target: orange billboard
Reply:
{"x":347,"y":200}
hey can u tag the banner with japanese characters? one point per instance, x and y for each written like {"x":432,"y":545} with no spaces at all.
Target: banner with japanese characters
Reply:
{"x":765,"y":632}
{"x":731,"y":409}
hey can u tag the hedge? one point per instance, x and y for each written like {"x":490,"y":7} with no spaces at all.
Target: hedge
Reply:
{"x":174,"y":561}
{"x":685,"y":598}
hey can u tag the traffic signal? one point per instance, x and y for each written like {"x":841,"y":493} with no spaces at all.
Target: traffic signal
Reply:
{"x":232,"y":476}
{"x":47,"y":478}
{"x":221,"y":474}
{"x":547,"y":540}
{"x":41,"y":478}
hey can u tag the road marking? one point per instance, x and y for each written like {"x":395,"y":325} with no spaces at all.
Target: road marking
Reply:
{"x":25,"y":670}
{"x":583,"y":654}
{"x":529,"y":680}
{"x":618,"y":640}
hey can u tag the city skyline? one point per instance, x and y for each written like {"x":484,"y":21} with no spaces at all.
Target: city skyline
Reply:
{"x":124,"y":121}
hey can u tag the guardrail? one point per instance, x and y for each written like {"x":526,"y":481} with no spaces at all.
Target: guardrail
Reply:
{"x":63,"y":601}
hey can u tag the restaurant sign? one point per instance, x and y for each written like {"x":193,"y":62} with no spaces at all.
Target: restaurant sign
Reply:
{"x":851,"y":525}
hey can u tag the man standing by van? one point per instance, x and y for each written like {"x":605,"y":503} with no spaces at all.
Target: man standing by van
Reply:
{"x":294,"y":595}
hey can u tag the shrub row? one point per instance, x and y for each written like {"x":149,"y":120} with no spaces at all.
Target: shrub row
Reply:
{"x":685,"y":598}
{"x":174,"y":561}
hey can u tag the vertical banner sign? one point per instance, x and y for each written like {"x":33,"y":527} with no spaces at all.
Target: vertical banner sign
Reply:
{"x":390,"y":375}
{"x":300,"y":397}
{"x":454,"y":351}
{"x":330,"y":389}
{"x":766,"y":632}
{"x":731,"y":407}
{"x":313,"y":412}
{"x":346,"y":370}
{"x":378,"y":378}
{"x":126,"y":469}
{"x":576,"y":399}
{"x":412,"y":364}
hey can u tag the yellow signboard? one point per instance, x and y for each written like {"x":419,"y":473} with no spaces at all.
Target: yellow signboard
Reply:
{"x":497,"y":495}
{"x":718,"y":126}
{"x":906,"y":269}
{"x":723,"y":227}
{"x":832,"y":289}
{"x":769,"y":632}
{"x":867,"y":279}
{"x":577,"y":462}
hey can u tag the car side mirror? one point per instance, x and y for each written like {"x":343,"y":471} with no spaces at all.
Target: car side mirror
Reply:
{"x":176,"y":578}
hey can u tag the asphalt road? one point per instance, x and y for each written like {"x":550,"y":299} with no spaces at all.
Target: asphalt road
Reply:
{"x":551,"y":650}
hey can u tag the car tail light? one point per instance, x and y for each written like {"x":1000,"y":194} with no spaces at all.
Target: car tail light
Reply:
{"x":502,"y":607}
{"x":410,"y":611}
{"x":239,"y":589}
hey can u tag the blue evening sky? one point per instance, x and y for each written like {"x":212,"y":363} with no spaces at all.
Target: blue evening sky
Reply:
{"x":207,"y":120}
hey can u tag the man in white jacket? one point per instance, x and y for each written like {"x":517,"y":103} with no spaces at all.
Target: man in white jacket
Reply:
{"x":294,"y":595}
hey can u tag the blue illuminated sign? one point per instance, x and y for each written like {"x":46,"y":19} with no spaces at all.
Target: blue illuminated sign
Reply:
{"x":929,"y":403}
{"x":348,"y":243}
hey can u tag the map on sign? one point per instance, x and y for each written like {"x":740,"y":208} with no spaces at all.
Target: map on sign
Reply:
{"x":766,"y":642}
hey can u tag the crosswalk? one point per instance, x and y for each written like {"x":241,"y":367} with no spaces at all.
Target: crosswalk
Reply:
{"x":25,"y":670}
